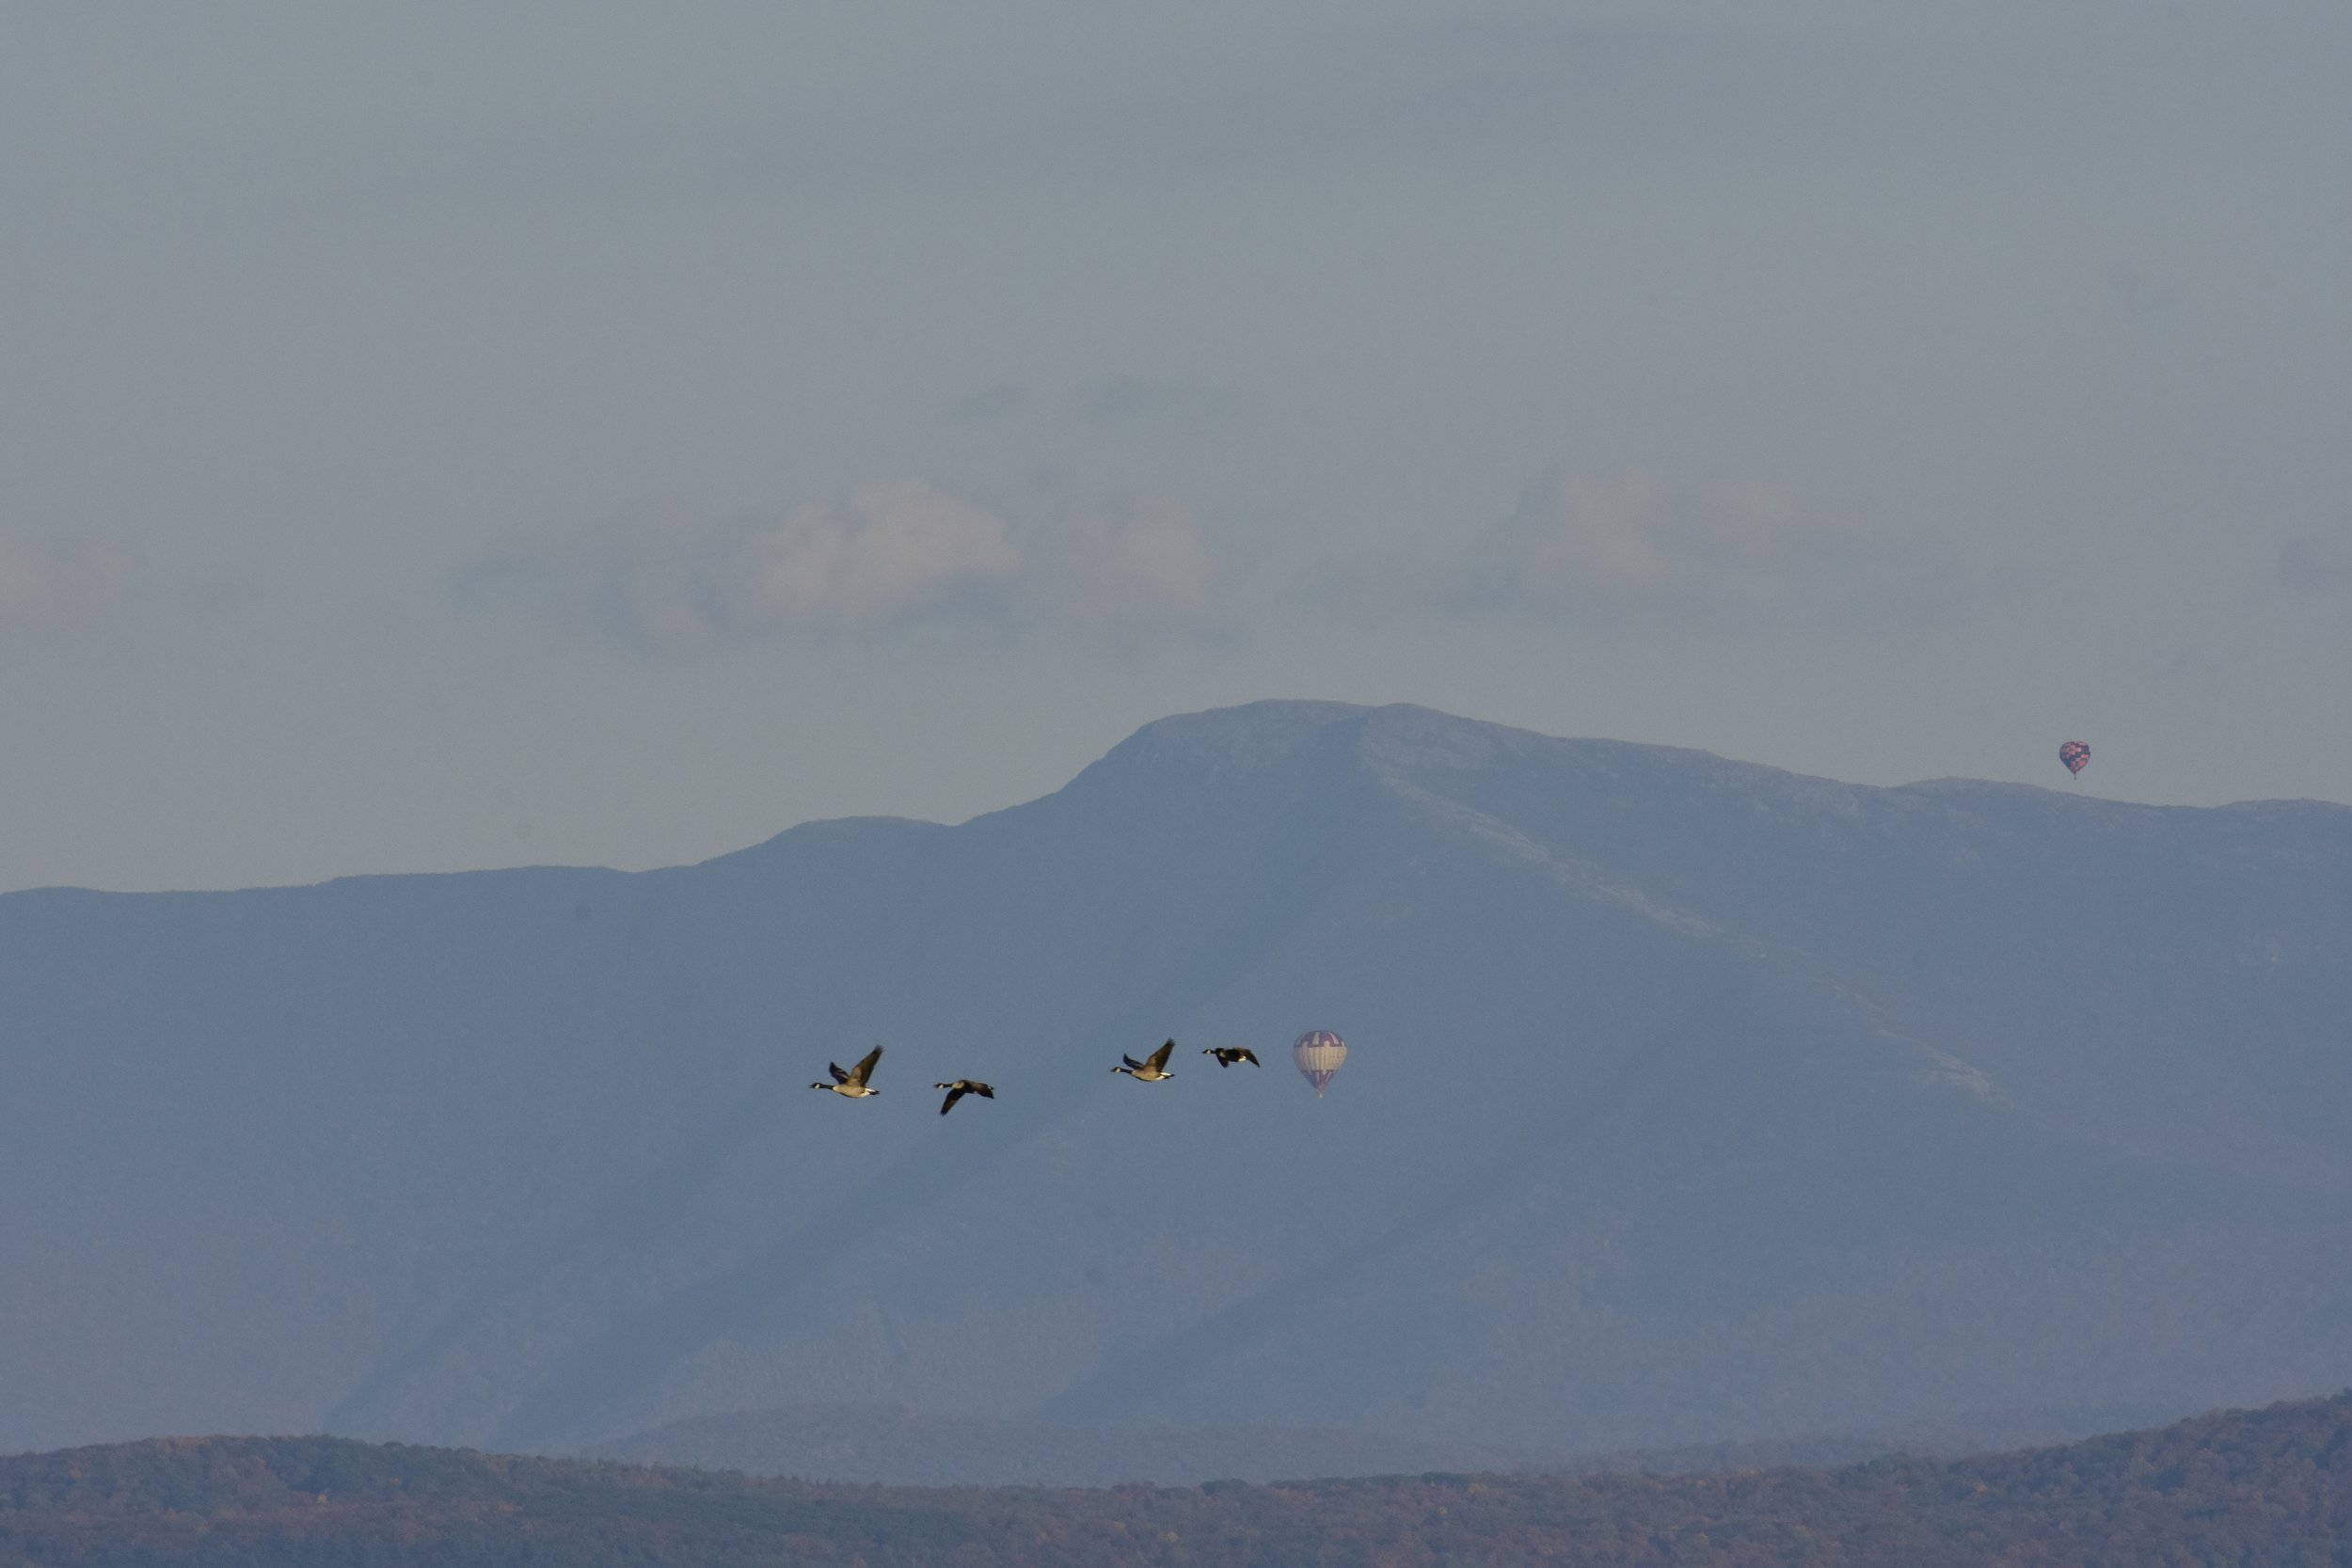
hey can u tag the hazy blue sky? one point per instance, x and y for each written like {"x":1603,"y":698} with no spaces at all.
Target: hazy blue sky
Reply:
{"x":443,"y":436}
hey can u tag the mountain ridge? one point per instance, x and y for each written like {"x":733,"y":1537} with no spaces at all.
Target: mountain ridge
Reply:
{"x":1690,"y":1100}
{"x":1338,"y":712}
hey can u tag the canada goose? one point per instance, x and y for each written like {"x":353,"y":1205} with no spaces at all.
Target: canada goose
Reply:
{"x":852,"y":1083}
{"x":1228,"y":1055}
{"x":1152,"y":1069}
{"x":960,"y":1087}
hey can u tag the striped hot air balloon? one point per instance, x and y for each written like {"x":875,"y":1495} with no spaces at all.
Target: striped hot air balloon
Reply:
{"x":1319,"y":1054}
{"x":2076,"y":755}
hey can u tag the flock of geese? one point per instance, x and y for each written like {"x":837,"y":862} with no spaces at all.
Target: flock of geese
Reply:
{"x":852,"y":1083}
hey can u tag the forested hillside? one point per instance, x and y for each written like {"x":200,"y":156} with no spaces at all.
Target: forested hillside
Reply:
{"x":2264,"y":1487}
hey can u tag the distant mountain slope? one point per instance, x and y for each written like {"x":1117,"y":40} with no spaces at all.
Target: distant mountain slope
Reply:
{"x":1690,"y":1102}
{"x":2270,"y":1486}
{"x":906,"y":1448}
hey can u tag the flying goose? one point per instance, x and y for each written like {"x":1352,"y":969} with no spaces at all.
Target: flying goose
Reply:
{"x":1228,"y":1055}
{"x":960,"y":1087}
{"x":1152,"y":1069}
{"x":852,"y":1083}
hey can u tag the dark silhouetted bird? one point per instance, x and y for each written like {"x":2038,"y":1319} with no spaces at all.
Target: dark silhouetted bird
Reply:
{"x":1228,"y":1055}
{"x":960,"y":1087}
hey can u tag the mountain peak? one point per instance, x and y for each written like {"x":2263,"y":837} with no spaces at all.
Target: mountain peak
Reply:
{"x":1255,"y":737}
{"x":1291,"y":741}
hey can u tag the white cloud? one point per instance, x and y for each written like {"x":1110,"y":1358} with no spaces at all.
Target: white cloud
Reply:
{"x":891,"y":559}
{"x":1149,"y":570}
{"x":1635,"y":547}
{"x":888,"y":552}
{"x":51,"y":586}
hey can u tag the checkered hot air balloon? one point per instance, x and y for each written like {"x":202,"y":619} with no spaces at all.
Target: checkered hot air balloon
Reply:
{"x":2076,"y":755}
{"x":1319,"y":1054}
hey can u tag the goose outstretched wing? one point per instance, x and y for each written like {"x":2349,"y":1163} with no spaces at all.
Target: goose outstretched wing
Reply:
{"x":864,"y":1070}
{"x":1159,"y":1058}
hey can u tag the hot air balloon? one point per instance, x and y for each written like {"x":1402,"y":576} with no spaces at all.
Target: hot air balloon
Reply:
{"x":2076,"y":755}
{"x":1319,"y":1054}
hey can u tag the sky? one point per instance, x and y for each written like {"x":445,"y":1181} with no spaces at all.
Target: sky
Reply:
{"x":437,"y":436}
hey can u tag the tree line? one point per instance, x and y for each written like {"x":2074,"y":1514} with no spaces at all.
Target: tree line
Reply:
{"x":2250,"y":1487}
